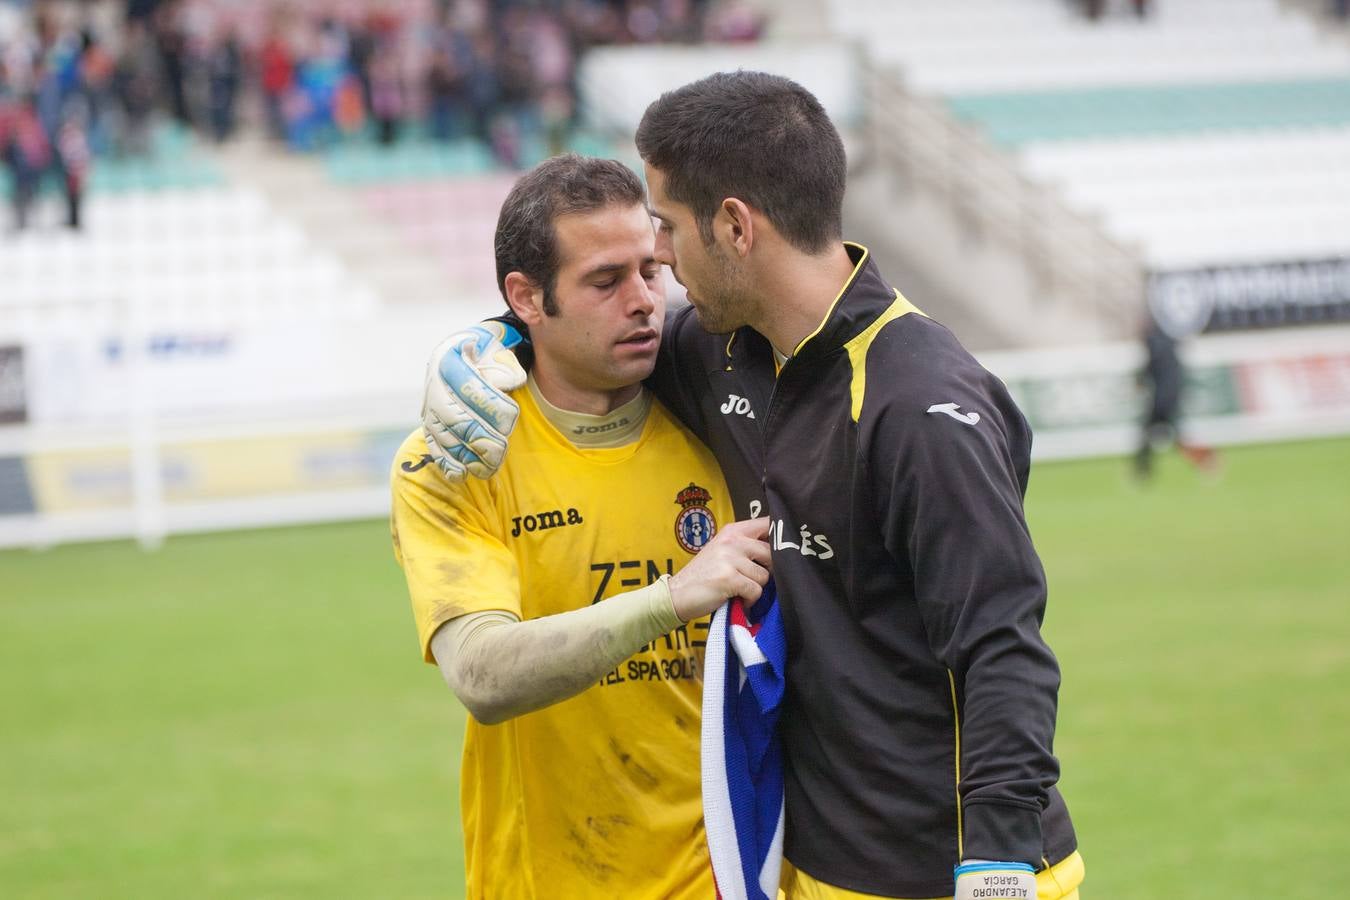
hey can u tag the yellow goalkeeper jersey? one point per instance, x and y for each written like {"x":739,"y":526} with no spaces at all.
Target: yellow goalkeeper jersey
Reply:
{"x":596,"y":796}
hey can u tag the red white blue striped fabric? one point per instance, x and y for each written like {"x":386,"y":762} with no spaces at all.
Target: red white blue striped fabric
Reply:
{"x":742,"y":754}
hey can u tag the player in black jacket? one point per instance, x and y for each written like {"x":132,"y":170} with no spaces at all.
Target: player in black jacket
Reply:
{"x":892,"y":467}
{"x":921,"y":702}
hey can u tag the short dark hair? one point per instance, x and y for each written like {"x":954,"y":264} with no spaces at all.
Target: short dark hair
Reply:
{"x":761,"y":138}
{"x":526,"y":240}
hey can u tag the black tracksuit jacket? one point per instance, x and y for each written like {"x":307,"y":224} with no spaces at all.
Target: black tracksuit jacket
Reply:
{"x":921,"y":699}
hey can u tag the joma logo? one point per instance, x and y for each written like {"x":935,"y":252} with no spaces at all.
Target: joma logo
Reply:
{"x":738,"y":406}
{"x":411,"y":466}
{"x":553,"y":518}
{"x":599,"y":429}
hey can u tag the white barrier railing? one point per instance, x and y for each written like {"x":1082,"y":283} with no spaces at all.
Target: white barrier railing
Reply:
{"x":156,"y":467}
{"x":149,"y":430}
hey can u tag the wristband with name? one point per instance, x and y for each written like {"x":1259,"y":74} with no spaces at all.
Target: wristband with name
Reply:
{"x":985,"y":880}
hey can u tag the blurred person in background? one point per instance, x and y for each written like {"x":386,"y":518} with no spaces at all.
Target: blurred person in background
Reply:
{"x":363,"y":33}
{"x":225,"y":66}
{"x":172,"y":41}
{"x":554,"y":71}
{"x":375,"y":45}
{"x":56,"y":70}
{"x":25,"y":152}
{"x":276,"y":75}
{"x":326,"y":102}
{"x":515,"y":121}
{"x":1164,"y":378}
{"x":681,"y":22}
{"x":596,"y":23}
{"x":733,"y":21}
{"x":388,"y":103}
{"x":136,"y":85}
{"x":29,"y":152}
{"x":23,"y":142}
{"x":484,"y":84}
{"x":97,"y":85}
{"x":643,"y":21}
{"x":140,"y":11}
{"x":49,"y":116}
{"x":74,"y":160}
{"x":448,"y":81}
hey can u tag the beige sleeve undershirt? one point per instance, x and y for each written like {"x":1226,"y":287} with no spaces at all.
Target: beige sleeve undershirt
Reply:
{"x":500,"y":667}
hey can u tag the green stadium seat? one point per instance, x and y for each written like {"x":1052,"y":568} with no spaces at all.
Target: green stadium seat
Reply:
{"x":1022,"y":117}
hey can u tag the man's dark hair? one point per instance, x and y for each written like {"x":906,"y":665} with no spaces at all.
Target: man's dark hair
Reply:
{"x":527,"y":241}
{"x":761,"y":138}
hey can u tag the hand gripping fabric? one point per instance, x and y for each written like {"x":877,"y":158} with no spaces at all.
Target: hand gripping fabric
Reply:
{"x":743,"y":682}
{"x":467,"y":413}
{"x":980,"y":880}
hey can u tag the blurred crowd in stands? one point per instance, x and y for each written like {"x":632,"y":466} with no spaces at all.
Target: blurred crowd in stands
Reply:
{"x":84,"y":78}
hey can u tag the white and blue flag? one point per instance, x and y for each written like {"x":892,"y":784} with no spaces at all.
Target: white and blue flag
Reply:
{"x":742,"y":754}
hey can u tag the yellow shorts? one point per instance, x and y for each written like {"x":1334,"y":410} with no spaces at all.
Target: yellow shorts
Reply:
{"x":1059,"y":882}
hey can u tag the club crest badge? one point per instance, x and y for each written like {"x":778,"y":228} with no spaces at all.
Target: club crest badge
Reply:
{"x":695,"y":525}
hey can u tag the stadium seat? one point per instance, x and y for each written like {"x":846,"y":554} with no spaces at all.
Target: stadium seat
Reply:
{"x":1214,"y":132}
{"x":185,"y":256}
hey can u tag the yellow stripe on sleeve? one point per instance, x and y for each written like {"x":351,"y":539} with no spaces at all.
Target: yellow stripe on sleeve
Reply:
{"x":956,"y":730}
{"x":858,"y":347}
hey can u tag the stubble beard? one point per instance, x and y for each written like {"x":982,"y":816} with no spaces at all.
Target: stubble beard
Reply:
{"x":713,"y":315}
{"x":723,"y":311}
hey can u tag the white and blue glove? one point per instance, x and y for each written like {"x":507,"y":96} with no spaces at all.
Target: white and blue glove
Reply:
{"x":978,"y":879}
{"x":467,"y":412}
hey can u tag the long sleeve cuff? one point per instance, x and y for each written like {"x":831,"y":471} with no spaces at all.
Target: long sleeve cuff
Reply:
{"x":1002,"y":831}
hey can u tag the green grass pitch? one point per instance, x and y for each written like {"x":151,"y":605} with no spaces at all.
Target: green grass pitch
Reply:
{"x":245,"y":715}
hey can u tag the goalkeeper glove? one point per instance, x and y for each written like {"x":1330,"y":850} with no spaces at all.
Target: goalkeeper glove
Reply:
{"x":467,"y":414}
{"x":978,"y":879}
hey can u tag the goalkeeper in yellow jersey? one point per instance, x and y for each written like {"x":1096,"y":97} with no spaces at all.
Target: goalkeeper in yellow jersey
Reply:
{"x":565,"y":598}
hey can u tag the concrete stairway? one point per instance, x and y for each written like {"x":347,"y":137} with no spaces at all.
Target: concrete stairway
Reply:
{"x":334,"y":218}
